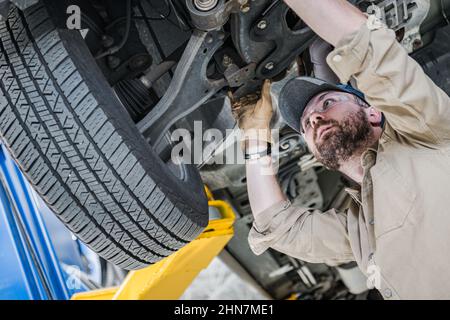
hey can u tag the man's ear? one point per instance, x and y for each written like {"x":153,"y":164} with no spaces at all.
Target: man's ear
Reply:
{"x":375,"y":117}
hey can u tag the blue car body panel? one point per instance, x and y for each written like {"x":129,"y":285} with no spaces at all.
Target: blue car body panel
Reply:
{"x":35,"y":246}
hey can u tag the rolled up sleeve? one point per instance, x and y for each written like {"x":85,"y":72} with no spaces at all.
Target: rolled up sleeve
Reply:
{"x":393,"y":82}
{"x":309,"y":235}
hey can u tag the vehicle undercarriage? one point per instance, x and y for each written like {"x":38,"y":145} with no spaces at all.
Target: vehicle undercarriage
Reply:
{"x":172,"y":63}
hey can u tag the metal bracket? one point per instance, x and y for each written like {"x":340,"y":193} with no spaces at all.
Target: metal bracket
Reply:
{"x":273,"y":27}
{"x":237,"y":77}
{"x":407,"y":14}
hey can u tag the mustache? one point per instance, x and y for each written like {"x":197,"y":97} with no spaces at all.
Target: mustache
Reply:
{"x":320,"y":123}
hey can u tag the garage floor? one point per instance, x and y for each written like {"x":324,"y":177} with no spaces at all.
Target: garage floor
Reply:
{"x":218,"y":282}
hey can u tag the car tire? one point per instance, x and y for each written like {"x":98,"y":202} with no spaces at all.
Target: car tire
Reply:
{"x":81,"y":151}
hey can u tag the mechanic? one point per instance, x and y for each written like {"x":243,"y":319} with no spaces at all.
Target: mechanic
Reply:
{"x":393,"y":142}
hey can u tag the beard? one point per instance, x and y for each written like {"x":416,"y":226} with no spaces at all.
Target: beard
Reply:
{"x":349,"y":138}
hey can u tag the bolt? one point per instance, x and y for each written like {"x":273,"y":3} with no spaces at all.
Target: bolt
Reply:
{"x":417,"y":44}
{"x":245,"y":8}
{"x":226,"y":61}
{"x":113,"y":62}
{"x":262,"y":24}
{"x":209,"y":39}
{"x":107,"y":41}
{"x":269,"y":65}
{"x":285,"y":146}
{"x":205,"y":5}
{"x":139,"y":61}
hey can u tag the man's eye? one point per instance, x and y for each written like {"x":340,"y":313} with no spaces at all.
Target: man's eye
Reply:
{"x":327,"y":103}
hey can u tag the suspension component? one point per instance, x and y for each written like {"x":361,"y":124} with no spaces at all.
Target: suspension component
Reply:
{"x":210,"y":15}
{"x":205,"y":5}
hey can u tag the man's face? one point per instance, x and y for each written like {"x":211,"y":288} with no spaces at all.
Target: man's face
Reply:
{"x":337,"y":126}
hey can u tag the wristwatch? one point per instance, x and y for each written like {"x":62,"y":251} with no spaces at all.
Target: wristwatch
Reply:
{"x":259,"y":154}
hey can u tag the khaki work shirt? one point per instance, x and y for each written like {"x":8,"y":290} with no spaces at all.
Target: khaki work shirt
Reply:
{"x":397,"y":227}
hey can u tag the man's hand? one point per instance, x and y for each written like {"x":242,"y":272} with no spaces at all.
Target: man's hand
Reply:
{"x":253,"y":116}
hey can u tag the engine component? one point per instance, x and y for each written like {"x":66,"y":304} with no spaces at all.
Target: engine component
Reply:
{"x":401,"y":14}
{"x":302,"y":188}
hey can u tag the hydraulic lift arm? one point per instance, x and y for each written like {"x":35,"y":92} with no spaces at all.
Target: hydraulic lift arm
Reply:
{"x":170,"y":277}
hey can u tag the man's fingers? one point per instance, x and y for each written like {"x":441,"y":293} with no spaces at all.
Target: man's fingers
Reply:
{"x":265,"y":92}
{"x":253,"y":105}
{"x":264,"y":105}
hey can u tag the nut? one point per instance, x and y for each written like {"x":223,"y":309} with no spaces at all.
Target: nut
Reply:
{"x":245,"y":8}
{"x":226,"y":61}
{"x":269,"y":65}
{"x":262,"y":24}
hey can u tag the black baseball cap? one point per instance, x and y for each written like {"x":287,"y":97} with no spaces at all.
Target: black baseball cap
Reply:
{"x":297,"y":92}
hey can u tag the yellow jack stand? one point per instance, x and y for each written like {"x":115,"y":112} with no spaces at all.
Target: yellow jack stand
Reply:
{"x":170,"y":277}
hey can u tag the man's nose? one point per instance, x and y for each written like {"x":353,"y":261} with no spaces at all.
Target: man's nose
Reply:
{"x":315,"y":118}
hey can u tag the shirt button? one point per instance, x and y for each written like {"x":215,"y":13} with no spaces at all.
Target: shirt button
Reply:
{"x":370,"y":256}
{"x":372,"y":222}
{"x":387,"y":293}
{"x":337,"y":58}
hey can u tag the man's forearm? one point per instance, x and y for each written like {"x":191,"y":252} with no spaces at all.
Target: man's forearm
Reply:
{"x":330,"y":19}
{"x":263,"y":188}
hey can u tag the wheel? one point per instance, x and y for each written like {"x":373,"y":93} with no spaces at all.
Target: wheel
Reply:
{"x":81,"y":151}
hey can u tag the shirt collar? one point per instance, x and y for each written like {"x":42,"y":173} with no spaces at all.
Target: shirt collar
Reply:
{"x":368,"y":160}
